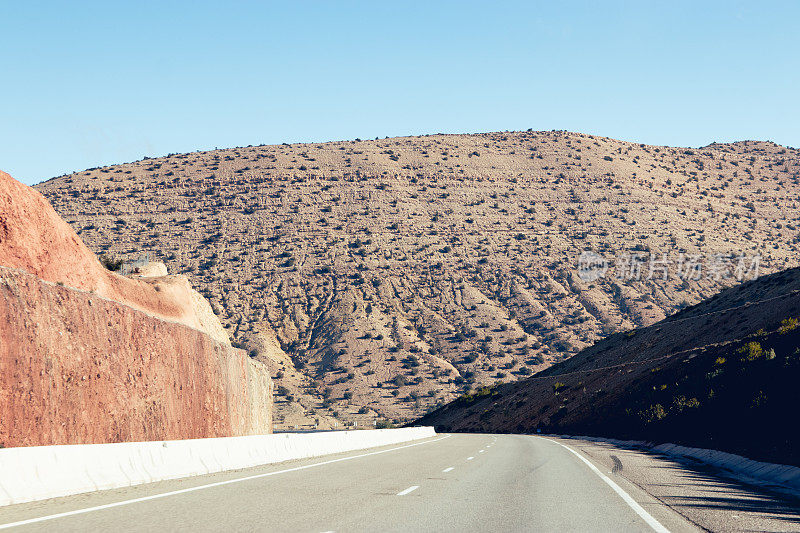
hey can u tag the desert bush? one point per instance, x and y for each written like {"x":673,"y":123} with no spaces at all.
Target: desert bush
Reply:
{"x":751,"y":351}
{"x":788,"y":325}
{"x":111,"y":263}
{"x":681,"y":402}
{"x":653,"y":413}
{"x":400,"y":380}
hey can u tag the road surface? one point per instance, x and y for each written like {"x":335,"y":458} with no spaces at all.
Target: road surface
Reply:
{"x":447,"y":483}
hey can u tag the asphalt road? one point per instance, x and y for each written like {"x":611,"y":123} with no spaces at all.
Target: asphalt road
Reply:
{"x":447,"y":483}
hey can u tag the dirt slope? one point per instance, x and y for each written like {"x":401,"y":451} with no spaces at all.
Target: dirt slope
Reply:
{"x":397,"y":273}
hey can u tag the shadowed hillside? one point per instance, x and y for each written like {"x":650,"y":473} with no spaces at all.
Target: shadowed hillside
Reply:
{"x":721,"y":375}
{"x":381,"y":278}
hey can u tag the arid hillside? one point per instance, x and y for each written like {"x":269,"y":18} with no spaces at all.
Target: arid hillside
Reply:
{"x":721,"y":374}
{"x":381,"y":278}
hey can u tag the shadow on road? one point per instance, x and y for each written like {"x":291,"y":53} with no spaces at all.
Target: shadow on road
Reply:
{"x":716,"y":489}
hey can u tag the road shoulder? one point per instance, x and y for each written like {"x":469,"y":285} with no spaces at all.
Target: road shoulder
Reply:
{"x":700,"y":494}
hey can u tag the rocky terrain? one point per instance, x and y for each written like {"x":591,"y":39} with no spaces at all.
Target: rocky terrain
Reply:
{"x":89,"y":356}
{"x":379,"y":279}
{"x":722,"y":374}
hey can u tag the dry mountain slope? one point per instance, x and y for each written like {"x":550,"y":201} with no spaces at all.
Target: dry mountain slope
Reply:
{"x":380,"y":278}
{"x":722,"y":374}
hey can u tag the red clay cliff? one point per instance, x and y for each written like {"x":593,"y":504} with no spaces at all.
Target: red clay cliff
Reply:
{"x":89,"y":356}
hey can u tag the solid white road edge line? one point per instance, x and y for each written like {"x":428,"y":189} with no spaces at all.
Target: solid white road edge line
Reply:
{"x":412,"y":488}
{"x":647,"y":517}
{"x":448,"y":469}
{"x":201,"y":487}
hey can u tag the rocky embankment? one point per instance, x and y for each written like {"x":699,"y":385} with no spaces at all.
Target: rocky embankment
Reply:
{"x":88,"y":356}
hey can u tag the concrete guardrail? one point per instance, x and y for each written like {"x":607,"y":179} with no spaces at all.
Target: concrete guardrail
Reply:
{"x":41,"y":472}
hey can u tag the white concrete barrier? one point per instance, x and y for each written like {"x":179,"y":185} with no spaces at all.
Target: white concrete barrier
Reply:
{"x":41,"y":472}
{"x":748,"y":469}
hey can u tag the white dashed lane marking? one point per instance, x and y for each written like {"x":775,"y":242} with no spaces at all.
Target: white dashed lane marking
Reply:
{"x":410,"y":489}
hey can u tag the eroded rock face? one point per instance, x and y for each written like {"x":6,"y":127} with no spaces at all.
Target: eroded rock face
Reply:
{"x":88,"y":356}
{"x":35,"y":239}
{"x":76,"y":368}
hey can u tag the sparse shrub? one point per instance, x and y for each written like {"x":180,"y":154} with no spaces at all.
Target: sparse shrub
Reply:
{"x":653,"y":413}
{"x":788,"y":325}
{"x":759,"y":400}
{"x":681,"y":402}
{"x":751,"y":351}
{"x":111,"y":263}
{"x":400,"y":380}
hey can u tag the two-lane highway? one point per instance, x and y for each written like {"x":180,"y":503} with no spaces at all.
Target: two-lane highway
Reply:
{"x":447,"y":483}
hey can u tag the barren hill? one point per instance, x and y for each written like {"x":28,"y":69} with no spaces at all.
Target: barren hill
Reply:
{"x":381,"y":278}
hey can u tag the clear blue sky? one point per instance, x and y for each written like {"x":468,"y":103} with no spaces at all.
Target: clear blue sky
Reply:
{"x":91,"y":83}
